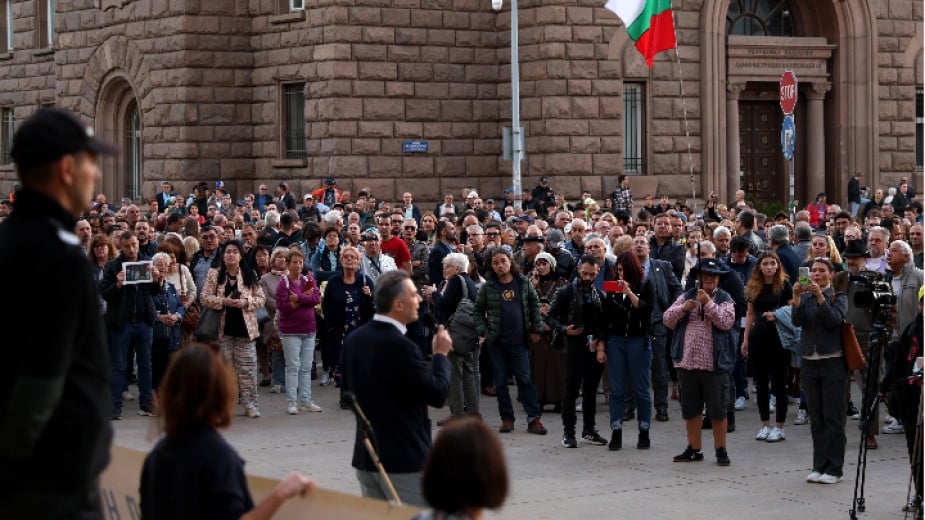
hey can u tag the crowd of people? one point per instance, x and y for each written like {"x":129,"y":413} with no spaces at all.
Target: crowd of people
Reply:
{"x":652,"y":294}
{"x":669,"y":301}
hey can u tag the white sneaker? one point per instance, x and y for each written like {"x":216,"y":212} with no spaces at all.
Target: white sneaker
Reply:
{"x":772,"y":405}
{"x":893,"y":427}
{"x":292,"y":409}
{"x":578,"y":406}
{"x":802,"y":417}
{"x":763,"y":434}
{"x":128,"y":396}
{"x":828,"y":479}
{"x":813,"y":477}
{"x":310,"y":407}
{"x":776,"y":435}
{"x":252,"y":412}
{"x":740,"y":404}
{"x":325,"y":379}
{"x":277,"y":389}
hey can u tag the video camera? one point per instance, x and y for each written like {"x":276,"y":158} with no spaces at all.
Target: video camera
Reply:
{"x":878,"y":295}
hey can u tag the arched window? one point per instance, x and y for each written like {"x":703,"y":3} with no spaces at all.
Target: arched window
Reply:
{"x":759,"y":18}
{"x":118,"y":120}
{"x":132,"y":151}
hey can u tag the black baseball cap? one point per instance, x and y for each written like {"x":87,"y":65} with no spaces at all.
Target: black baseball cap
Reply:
{"x":52,"y":133}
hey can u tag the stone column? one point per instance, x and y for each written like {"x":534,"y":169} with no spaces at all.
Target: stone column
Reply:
{"x":731,"y":183}
{"x":815,"y":143}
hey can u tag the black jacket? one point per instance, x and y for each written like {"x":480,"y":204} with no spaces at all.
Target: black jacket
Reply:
{"x":120,"y":302}
{"x":622,"y":319}
{"x":55,"y":434}
{"x":568,"y":308}
{"x":394,"y":386}
{"x":669,"y":252}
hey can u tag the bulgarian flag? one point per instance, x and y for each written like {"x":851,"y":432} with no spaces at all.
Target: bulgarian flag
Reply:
{"x":648,"y":23}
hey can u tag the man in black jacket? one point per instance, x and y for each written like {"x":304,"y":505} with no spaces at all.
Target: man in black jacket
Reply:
{"x":394,"y":386}
{"x":575,"y":313}
{"x":130,"y":316}
{"x":663,"y":247}
{"x":54,"y":380}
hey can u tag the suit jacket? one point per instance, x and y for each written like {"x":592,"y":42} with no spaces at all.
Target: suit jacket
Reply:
{"x":435,"y":261}
{"x":667,"y":287}
{"x":394,"y":386}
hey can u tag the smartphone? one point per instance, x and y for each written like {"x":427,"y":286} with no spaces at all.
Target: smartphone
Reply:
{"x":613,"y":286}
{"x":804,"y":276}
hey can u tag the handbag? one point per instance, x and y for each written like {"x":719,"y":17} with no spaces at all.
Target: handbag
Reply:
{"x":262,"y":315}
{"x":191,"y":316}
{"x":208,"y":326}
{"x":161,"y":333}
{"x":851,"y":349}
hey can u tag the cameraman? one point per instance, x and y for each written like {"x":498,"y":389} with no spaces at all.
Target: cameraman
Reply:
{"x":851,"y":282}
{"x":904,"y":392}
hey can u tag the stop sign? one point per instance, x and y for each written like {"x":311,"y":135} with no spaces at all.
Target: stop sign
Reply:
{"x":788,"y":92}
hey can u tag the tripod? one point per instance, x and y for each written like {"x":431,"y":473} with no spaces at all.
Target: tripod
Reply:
{"x":913,"y":507}
{"x":869,"y":405}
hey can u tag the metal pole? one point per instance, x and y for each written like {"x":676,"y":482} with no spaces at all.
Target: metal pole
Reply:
{"x":793,"y":203}
{"x":515,"y":107}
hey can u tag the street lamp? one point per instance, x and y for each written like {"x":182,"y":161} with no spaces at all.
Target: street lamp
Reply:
{"x":516,"y":138}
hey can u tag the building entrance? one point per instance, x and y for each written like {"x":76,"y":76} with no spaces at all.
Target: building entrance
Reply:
{"x":761,"y":163}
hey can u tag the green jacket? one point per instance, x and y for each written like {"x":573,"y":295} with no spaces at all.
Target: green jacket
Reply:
{"x":487,"y":311}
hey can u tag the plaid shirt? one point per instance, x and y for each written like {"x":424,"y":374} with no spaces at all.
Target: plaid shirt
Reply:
{"x":698,"y":336}
{"x":622,"y":199}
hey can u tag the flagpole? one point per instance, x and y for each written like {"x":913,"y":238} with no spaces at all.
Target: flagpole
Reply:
{"x":687,"y":129}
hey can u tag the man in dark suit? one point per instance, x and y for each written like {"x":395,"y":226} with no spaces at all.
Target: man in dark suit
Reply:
{"x":394,"y":385}
{"x":667,"y":289}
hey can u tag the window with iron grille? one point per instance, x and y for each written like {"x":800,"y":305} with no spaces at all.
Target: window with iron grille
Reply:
{"x":8,"y":25}
{"x":293,"y":116}
{"x":634,"y":127}
{"x":132,"y":153}
{"x":8,"y":128}
{"x":45,"y":27}
{"x":919,"y":130}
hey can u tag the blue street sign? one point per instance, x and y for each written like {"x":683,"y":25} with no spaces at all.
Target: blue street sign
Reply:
{"x":415,"y":146}
{"x":788,"y":134}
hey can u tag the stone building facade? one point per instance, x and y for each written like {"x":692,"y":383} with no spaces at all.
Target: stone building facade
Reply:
{"x":254,"y":91}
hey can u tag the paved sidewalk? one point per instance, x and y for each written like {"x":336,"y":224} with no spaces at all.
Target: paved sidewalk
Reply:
{"x":550,"y":481}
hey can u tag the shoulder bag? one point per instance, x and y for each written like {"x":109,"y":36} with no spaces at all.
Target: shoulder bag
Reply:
{"x":191,"y":317}
{"x":851,"y":349}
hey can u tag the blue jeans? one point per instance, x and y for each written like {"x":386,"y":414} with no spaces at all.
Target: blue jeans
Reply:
{"x":629,"y":360}
{"x":139,"y":335}
{"x":299,"y":350}
{"x":517,"y":359}
{"x":278,"y":365}
{"x":740,"y":372}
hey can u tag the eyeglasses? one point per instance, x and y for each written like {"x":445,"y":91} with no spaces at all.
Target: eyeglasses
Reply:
{"x":492,"y":234}
{"x":410,"y":228}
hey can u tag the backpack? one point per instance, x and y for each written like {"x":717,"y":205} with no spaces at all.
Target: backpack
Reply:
{"x":461,"y":326}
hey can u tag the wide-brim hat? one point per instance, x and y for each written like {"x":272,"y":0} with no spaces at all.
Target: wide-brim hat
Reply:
{"x":855,"y":249}
{"x":709,"y":266}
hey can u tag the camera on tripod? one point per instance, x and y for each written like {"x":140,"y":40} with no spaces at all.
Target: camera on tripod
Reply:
{"x":878,"y":294}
